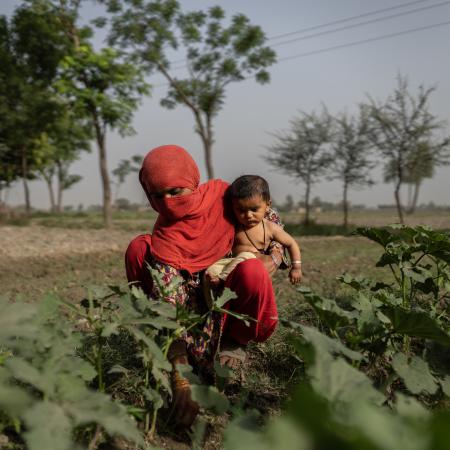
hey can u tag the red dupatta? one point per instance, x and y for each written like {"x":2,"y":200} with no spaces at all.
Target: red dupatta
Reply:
{"x":192,"y":231}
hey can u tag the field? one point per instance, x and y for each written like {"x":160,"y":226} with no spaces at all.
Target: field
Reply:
{"x":64,"y":255}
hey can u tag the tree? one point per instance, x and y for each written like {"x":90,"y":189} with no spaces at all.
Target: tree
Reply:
{"x":57,"y":149}
{"x":288,"y":204}
{"x":400,"y":126}
{"x":303,"y":152}
{"x":419,"y":166}
{"x":216,"y":55}
{"x":351,"y":163}
{"x":8,"y":173}
{"x":31,"y":46}
{"x":106,"y":92}
{"x":124,"y":168}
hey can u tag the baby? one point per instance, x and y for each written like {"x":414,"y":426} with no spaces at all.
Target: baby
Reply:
{"x":250,"y":197}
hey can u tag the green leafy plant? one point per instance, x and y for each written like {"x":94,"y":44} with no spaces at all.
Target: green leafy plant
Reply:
{"x":396,"y":325}
{"x":44,"y":383}
{"x":379,"y":355}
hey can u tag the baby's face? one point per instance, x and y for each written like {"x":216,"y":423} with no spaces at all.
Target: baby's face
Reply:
{"x":250,"y":211}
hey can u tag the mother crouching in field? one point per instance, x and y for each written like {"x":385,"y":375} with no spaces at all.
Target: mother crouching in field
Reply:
{"x":193,"y":230}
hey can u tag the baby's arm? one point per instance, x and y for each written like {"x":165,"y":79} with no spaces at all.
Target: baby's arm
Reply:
{"x":279,"y":235}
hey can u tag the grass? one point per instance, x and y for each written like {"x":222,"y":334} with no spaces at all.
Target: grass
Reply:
{"x":121,"y":220}
{"x":318,"y":229}
{"x":328,"y":223}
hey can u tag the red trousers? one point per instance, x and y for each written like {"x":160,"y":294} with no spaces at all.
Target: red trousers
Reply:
{"x":249,"y":280}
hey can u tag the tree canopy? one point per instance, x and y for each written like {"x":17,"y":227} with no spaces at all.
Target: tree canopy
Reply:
{"x":402,"y":125}
{"x":351,"y":150}
{"x":303,"y":152}
{"x":217,"y":54}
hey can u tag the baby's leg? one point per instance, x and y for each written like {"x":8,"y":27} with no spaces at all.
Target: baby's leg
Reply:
{"x":240,"y":257}
{"x":213,"y":272}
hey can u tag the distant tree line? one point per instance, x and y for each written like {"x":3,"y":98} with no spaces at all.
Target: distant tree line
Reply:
{"x":401,"y":132}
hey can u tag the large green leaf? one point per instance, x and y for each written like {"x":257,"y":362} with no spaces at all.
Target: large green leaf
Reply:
{"x":328,"y":311}
{"x":210,"y":398}
{"x":48,"y":427}
{"x":418,"y":273}
{"x":325,"y":345}
{"x":154,"y":397}
{"x":445,"y":384}
{"x":27,"y":373}
{"x":369,"y":324}
{"x":224,"y":298}
{"x":340,"y":383}
{"x":14,"y":400}
{"x":16,"y":320}
{"x":89,"y":407}
{"x":387,"y":431}
{"x":159,"y":358}
{"x":357,"y":283}
{"x":415,"y":374}
{"x":380,"y":235}
{"x":415,"y":323}
{"x":162,"y":377}
{"x":244,"y":433}
{"x":408,"y":406}
{"x":164,"y":309}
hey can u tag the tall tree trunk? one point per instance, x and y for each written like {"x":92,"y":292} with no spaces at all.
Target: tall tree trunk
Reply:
{"x":203,"y":129}
{"x":415,"y":198}
{"x":208,"y":148}
{"x":48,"y":180}
{"x":208,"y":158}
{"x":409,"y":201}
{"x":205,"y":132}
{"x":398,"y":202}
{"x":345,"y":205}
{"x":106,"y":185}
{"x":60,"y":176}
{"x":307,"y":220}
{"x":25,"y":182}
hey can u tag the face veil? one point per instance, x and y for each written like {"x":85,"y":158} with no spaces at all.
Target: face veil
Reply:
{"x":192,"y":231}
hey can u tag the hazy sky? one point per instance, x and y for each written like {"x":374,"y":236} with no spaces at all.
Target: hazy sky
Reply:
{"x":337,"y":78}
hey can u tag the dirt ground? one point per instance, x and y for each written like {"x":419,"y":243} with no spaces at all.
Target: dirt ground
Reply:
{"x":377,"y":218}
{"x":36,"y":241}
{"x":36,"y":259}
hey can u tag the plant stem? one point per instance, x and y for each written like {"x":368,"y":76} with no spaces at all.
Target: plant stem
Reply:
{"x":99,"y":365}
{"x":405,"y":302}
{"x":95,"y":438}
{"x":147,"y":414}
{"x":155,"y":414}
{"x":393,"y":273}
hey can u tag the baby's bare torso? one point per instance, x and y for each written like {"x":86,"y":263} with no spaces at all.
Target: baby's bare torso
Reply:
{"x":255,"y":239}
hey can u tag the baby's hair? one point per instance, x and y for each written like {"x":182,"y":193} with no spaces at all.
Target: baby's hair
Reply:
{"x":248,"y":186}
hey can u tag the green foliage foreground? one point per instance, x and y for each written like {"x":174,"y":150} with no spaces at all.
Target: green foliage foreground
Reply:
{"x":377,"y":366}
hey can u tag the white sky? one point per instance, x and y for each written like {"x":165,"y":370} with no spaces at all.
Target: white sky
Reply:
{"x":339,"y":79}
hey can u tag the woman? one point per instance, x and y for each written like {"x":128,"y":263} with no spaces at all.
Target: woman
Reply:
{"x":193,"y":230}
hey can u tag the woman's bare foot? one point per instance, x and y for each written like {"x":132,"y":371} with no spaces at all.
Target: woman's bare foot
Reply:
{"x":233,"y":357}
{"x":185,"y":409}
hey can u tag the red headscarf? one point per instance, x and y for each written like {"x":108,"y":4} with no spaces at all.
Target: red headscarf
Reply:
{"x":192,"y":231}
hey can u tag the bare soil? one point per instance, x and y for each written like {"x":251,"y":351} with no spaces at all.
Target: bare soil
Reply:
{"x":35,"y":260}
